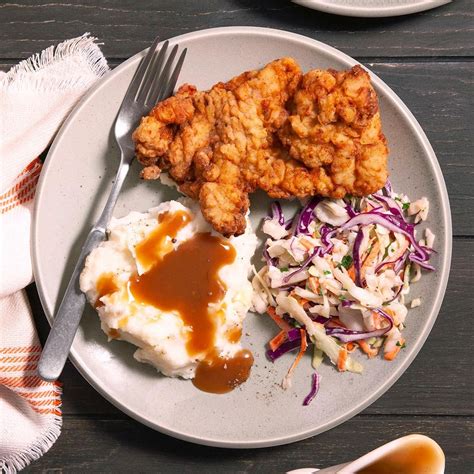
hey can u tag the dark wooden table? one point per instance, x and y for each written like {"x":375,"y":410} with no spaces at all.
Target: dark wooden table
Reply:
{"x":427,"y":59}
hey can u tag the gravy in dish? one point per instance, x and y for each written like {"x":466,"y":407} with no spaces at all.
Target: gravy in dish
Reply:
{"x":417,"y":457}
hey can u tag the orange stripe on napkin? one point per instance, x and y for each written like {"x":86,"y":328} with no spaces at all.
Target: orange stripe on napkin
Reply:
{"x":23,"y":190}
{"x":18,"y":373}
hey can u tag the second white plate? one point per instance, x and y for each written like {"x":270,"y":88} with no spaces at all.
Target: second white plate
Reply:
{"x":371,"y":8}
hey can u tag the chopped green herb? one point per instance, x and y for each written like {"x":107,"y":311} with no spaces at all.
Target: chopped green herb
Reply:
{"x":405,"y":206}
{"x":342,"y":298}
{"x":327,"y":272}
{"x":346,"y":261}
{"x":320,"y":291}
{"x":385,"y":303}
{"x":284,"y":269}
{"x":397,"y":199}
{"x":402,"y":346}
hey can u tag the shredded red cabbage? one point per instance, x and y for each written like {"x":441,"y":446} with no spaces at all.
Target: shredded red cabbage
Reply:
{"x":347,"y":335}
{"x":388,"y":187}
{"x":293,"y":334}
{"x":318,"y":319}
{"x":350,"y":210}
{"x":289,"y":223}
{"x":326,"y":233}
{"x":393,"y":224}
{"x":356,"y":256}
{"x":399,"y":265}
{"x":392,"y":206}
{"x":276,"y":213}
{"x":303,"y":265}
{"x":306,"y":216}
{"x":271,"y":262}
{"x":287,"y":346}
{"x":315,"y":383}
{"x":415,"y":259}
{"x":397,"y":262}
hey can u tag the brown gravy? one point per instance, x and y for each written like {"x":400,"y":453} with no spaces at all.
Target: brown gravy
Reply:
{"x":415,"y":458}
{"x":160,"y":240}
{"x":106,"y":285}
{"x":186,"y":280}
{"x":217,"y":375}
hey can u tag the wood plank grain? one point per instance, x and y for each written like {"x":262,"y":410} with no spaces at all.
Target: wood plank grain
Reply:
{"x":439,"y":381}
{"x":126,"y":27}
{"x":98,"y":445}
{"x":440,"y":96}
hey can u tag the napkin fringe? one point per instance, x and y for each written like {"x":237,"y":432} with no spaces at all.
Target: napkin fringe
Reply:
{"x":84,"y":46}
{"x":18,"y":461}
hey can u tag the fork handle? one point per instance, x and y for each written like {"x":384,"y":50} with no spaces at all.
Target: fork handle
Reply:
{"x":67,"y":319}
{"x":70,"y":311}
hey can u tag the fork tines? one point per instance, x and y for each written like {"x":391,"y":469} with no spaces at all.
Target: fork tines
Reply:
{"x":155,"y":78}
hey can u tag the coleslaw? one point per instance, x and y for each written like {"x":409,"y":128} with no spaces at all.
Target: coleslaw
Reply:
{"x":337,"y":276}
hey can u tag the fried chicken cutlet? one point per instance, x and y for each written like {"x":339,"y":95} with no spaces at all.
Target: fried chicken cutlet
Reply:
{"x":290,"y":134}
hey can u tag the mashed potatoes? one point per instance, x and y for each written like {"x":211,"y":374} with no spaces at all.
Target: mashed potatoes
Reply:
{"x":162,"y":336}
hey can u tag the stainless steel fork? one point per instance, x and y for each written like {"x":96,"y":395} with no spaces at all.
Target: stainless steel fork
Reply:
{"x":154,"y":80}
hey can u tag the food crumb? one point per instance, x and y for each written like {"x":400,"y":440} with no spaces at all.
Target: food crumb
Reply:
{"x":415,"y":303}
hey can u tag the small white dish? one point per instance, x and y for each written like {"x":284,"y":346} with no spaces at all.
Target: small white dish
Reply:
{"x":417,"y":453}
{"x":371,"y":8}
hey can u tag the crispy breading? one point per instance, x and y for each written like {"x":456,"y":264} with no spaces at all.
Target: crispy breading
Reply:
{"x":275,"y":129}
{"x":334,"y":126}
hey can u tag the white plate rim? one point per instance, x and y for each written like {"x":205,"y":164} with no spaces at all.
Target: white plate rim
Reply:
{"x":372,"y":12}
{"x":443,"y":268}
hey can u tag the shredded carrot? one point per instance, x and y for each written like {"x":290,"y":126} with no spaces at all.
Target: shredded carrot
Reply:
{"x":335,"y":321}
{"x":313,"y":284}
{"x":306,"y":244}
{"x":341,"y":360}
{"x":350,"y":346}
{"x":394,"y":352}
{"x":392,"y":313}
{"x":303,"y":301}
{"x":303,"y":347}
{"x":371,"y":353}
{"x":281,"y":323}
{"x":370,"y":259}
{"x":277,"y":341}
{"x":352,"y":274}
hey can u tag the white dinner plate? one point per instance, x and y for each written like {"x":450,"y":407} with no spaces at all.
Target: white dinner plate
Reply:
{"x":371,"y":8}
{"x":72,"y":190}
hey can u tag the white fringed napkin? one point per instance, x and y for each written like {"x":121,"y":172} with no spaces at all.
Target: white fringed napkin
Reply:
{"x":35,"y":97}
